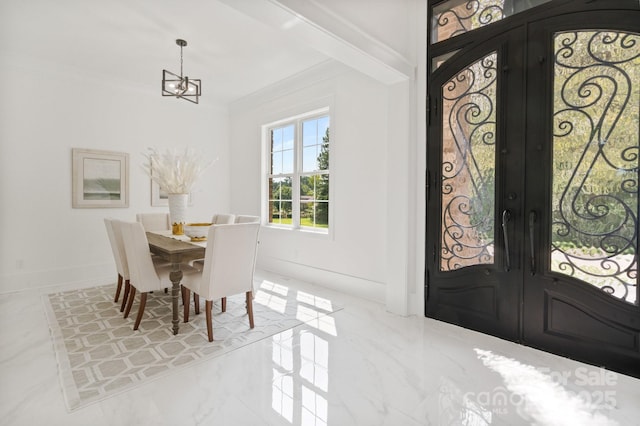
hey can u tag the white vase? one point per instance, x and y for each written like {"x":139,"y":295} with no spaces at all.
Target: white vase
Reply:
{"x":178,"y":212}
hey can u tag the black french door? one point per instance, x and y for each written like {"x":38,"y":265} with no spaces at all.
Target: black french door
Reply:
{"x":532,"y":214}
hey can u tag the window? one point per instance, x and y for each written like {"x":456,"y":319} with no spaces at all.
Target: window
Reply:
{"x":297,"y":177}
{"x":454,"y":17}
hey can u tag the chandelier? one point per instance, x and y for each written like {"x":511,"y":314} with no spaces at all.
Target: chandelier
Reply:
{"x":180,"y":86}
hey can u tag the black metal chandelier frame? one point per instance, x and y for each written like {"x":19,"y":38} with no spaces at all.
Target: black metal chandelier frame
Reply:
{"x":181,"y":86}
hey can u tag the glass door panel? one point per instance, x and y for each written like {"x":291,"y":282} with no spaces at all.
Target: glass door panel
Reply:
{"x":455,"y":17}
{"x":595,"y":160}
{"x":469,"y":166}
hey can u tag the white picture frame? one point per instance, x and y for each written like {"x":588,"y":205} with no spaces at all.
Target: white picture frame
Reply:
{"x":100,"y":179}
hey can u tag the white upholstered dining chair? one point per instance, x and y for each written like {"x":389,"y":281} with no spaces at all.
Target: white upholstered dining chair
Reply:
{"x":154,"y":221}
{"x":199,"y":264}
{"x":247,"y":219}
{"x":145,"y":275}
{"x":229,"y":264}
{"x":122,"y":266}
{"x":217,"y":219}
{"x":223,"y":218}
{"x":117,"y":248}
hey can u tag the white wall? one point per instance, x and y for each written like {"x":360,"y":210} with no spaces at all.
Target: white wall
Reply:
{"x":382,"y":256}
{"x":353,"y":257}
{"x":44,"y":113}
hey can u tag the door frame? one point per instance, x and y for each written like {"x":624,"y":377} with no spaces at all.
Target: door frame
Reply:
{"x":466,"y":44}
{"x":549,"y":288}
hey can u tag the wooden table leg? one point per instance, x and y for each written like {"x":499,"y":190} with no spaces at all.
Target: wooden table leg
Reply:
{"x":175,"y":277}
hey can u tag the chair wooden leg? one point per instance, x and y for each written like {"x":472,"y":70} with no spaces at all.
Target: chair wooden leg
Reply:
{"x":143,"y":303}
{"x":186,"y":296}
{"x":250,"y":308}
{"x":207,"y":306}
{"x":118,"y":288}
{"x":196,"y":302}
{"x":125,"y":296}
{"x":224,"y":304}
{"x":131,"y":296}
{"x":166,"y":290}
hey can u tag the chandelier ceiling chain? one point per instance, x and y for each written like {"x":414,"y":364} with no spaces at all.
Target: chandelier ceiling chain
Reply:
{"x":181,"y":43}
{"x":181,"y":86}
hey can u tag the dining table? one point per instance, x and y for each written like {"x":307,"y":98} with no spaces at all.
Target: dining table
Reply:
{"x":177,"y":249}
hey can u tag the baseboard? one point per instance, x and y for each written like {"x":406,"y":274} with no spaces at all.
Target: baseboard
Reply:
{"x":105,"y":273}
{"x":355,"y":286}
{"x":416,"y":305}
{"x":98,"y":274}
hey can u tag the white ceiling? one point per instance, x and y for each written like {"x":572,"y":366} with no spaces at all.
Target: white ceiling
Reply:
{"x":133,"y":40}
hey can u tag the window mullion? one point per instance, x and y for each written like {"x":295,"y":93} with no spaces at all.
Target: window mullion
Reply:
{"x":297,"y":164}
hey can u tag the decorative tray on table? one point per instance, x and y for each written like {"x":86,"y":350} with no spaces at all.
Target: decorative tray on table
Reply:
{"x":197,"y":231}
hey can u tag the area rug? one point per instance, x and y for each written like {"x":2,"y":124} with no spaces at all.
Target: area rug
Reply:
{"x":99,"y":354}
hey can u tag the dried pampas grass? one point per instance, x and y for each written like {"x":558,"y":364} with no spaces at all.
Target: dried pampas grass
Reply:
{"x":175,"y":172}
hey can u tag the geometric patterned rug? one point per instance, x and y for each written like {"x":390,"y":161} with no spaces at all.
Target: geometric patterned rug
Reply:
{"x":99,"y":354}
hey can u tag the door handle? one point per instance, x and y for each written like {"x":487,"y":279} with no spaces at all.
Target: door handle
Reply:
{"x":506,"y":215}
{"x":532,"y":232}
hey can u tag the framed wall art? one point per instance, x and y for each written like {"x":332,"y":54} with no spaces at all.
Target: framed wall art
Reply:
{"x":158,"y":196}
{"x":100,"y":179}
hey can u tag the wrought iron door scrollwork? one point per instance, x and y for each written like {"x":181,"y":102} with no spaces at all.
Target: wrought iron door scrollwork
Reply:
{"x":594,"y":235}
{"x":458,"y":17}
{"x":468,"y":166}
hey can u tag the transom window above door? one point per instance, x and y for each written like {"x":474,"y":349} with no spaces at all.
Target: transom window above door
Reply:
{"x":454,"y":17}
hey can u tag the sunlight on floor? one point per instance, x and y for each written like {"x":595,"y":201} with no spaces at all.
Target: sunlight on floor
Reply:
{"x":300,"y":368}
{"x":318,"y":320}
{"x":542,"y":396}
{"x":274,"y":287}
{"x":271,"y":301}
{"x":316,"y":301}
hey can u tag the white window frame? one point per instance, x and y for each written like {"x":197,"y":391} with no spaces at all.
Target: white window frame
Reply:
{"x":297,"y":171}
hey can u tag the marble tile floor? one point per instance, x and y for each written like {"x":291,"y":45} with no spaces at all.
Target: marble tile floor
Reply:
{"x":360,"y":366}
